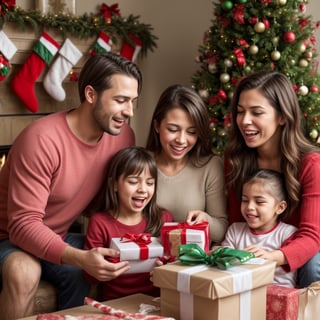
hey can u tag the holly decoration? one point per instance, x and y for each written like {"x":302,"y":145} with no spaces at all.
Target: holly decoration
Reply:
{"x":255,"y":35}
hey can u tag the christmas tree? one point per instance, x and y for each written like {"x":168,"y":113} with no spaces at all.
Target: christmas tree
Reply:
{"x":253,"y":35}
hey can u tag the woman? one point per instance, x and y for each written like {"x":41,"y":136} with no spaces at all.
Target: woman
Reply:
{"x":266,"y":133}
{"x":191,"y":180}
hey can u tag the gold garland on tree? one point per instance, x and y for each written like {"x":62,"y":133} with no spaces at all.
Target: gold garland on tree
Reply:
{"x":108,"y":19}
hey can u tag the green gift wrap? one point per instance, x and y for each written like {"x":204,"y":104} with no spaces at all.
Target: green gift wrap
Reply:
{"x":223,"y":258}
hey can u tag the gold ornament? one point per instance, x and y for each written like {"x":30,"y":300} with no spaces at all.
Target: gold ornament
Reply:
{"x":275,"y":41}
{"x":259,"y":27}
{"x":303,"y":90}
{"x":302,"y":47}
{"x":303,"y":63}
{"x":275,"y":55}
{"x":203,"y":93}
{"x":313,"y":134}
{"x":224,"y":77}
{"x":253,"y":49}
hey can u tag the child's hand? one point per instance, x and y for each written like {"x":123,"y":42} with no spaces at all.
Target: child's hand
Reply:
{"x":259,"y":253}
{"x":196,"y":216}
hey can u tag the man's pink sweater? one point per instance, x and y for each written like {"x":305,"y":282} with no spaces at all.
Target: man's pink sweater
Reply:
{"x":49,"y":178}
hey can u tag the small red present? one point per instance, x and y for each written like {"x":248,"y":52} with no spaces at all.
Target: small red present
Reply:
{"x":175,"y":233}
{"x":282,"y":303}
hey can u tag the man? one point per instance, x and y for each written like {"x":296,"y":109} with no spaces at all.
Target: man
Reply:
{"x":55,"y":168}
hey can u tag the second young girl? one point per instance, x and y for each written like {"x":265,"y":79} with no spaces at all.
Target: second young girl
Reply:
{"x":130,"y":208}
{"x":263,"y":205}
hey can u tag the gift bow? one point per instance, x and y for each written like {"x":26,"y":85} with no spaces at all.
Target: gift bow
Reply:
{"x":142,"y":240}
{"x":223,"y":258}
{"x":107,"y":11}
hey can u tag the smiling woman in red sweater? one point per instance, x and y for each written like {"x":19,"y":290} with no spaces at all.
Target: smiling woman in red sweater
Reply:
{"x":266,"y":133}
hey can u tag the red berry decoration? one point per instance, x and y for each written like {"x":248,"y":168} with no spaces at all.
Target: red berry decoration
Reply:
{"x":289,"y":36}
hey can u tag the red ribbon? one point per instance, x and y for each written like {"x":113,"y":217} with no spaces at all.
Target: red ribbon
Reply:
{"x":183,"y":226}
{"x":238,"y":14}
{"x":108,"y":11}
{"x":142,"y":240}
{"x":6,"y":5}
{"x":240,"y":56}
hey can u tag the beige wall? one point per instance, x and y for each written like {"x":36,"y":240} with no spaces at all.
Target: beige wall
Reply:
{"x":179,"y":25}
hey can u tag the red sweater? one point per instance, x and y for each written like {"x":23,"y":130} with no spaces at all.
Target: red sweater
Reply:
{"x":305,"y":243}
{"x":49,"y":178}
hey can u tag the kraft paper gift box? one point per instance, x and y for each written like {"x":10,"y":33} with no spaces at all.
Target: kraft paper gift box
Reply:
{"x":282,"y":301}
{"x":204,"y":292}
{"x":142,"y":257}
{"x":309,"y":302}
{"x":175,"y":233}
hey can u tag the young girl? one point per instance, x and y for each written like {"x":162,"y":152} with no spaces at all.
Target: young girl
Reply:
{"x":130,"y":208}
{"x":263,"y":204}
{"x":266,"y":132}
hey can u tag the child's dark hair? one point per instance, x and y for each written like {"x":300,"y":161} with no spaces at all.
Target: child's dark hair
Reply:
{"x":274,"y":184}
{"x":133,"y":160}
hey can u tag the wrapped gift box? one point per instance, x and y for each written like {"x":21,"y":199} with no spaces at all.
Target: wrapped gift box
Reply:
{"x":203,"y":292}
{"x":309,"y":302}
{"x":175,"y":233}
{"x":131,"y":251}
{"x":282,"y":301}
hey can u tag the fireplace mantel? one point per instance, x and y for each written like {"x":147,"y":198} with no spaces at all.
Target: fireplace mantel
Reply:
{"x":14,"y":116}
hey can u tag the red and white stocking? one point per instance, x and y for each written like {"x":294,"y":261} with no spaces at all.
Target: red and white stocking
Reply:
{"x":24,"y":81}
{"x":7,"y":51}
{"x":130,"y":52}
{"x":103,"y":44}
{"x":69,"y":55}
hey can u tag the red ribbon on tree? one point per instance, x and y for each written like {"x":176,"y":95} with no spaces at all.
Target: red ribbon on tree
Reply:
{"x":108,"y":11}
{"x":240,"y":56}
{"x":142,"y":240}
{"x":238,"y":14}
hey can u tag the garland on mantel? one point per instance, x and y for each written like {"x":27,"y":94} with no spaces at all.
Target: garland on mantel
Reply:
{"x":108,"y":19}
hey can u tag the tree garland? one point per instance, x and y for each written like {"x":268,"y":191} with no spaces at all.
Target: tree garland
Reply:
{"x":85,"y":26}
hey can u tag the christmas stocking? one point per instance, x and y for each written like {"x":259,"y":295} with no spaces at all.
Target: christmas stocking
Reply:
{"x":130,"y":52}
{"x":23,"y":82}
{"x":103,"y":44}
{"x":7,"y":49}
{"x":69,"y":55}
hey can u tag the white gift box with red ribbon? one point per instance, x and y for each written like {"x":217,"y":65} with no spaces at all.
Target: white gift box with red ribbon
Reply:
{"x":142,"y":255}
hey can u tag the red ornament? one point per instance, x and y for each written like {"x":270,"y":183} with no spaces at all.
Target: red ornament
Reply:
{"x":222,"y":94}
{"x":315,"y":119}
{"x":314,"y":89}
{"x":289,"y":36}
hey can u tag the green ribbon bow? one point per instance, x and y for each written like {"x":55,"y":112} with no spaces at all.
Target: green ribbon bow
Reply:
{"x":223,"y":258}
